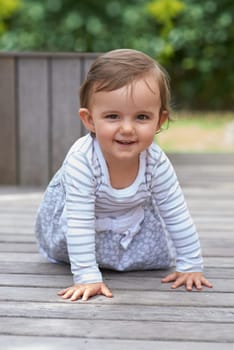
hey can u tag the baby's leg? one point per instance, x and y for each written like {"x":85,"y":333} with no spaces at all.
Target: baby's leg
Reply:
{"x":51,"y":224}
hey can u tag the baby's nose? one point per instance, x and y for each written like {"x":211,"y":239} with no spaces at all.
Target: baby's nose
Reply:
{"x":126,"y":127}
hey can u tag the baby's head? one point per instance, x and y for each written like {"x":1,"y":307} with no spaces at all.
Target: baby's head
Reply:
{"x":122,"y":67}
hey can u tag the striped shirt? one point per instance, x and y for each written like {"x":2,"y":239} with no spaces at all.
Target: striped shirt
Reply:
{"x":90,"y":196}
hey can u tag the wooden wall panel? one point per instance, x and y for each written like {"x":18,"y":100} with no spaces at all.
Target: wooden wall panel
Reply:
{"x":87,"y":64}
{"x":33,"y":121}
{"x":38,"y":113}
{"x":66,"y":126}
{"x":8,"y":168}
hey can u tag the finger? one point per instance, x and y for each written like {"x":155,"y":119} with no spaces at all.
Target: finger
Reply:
{"x":198,"y":284}
{"x":106,"y":291}
{"x":68,"y":294}
{"x":77,"y":294}
{"x":189,"y":284}
{"x":62,"y":291}
{"x":89,"y":293}
{"x":180,"y":281}
{"x":206,"y":283}
{"x":169,"y":278}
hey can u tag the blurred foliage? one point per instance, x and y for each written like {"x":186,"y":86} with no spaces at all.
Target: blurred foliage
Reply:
{"x":7,"y":9}
{"x":193,"y":39}
{"x":71,"y":25}
{"x":202,"y":64}
{"x":164,"y":11}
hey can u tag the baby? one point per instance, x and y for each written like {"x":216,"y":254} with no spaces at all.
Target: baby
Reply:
{"x":116,"y":202}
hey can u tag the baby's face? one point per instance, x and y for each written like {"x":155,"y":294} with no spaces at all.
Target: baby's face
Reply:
{"x":125,"y":120}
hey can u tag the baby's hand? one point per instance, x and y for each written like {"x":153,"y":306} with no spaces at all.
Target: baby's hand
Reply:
{"x":188,"y":279}
{"x":85,"y":291}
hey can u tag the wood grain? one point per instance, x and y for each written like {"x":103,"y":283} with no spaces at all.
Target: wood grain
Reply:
{"x":8,"y":137}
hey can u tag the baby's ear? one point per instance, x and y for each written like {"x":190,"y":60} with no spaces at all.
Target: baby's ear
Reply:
{"x":87,"y":119}
{"x":163,"y":117}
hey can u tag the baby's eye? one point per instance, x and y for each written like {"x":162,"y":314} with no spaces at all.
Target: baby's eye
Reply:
{"x":142,"y":117}
{"x":112,"y":116}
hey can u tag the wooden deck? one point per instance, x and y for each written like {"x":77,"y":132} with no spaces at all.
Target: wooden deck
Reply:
{"x":144,"y":314}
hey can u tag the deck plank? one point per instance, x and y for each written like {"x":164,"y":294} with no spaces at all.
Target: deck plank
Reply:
{"x":59,"y":343}
{"x":115,"y":282}
{"x":120,"y":329}
{"x":127,"y":297}
{"x":63,"y":269}
{"x":116,"y":312}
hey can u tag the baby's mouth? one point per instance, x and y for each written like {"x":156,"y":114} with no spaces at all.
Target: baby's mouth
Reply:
{"x":125,"y":142}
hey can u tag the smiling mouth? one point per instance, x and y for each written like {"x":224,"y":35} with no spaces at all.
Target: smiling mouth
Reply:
{"x":125,"y":142}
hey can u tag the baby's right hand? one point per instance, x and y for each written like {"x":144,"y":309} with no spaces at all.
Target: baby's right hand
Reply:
{"x":85,"y":291}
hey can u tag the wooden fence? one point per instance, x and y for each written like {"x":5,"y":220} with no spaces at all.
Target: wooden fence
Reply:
{"x":38,"y":113}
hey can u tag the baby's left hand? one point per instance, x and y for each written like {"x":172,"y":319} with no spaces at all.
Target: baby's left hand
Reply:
{"x":188,"y":279}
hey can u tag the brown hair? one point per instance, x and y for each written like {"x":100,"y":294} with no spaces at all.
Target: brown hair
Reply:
{"x":118,"y":68}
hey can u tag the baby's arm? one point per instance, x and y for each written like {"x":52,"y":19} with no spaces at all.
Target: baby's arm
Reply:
{"x":170,"y":202}
{"x":79,"y":183}
{"x":85,"y":291}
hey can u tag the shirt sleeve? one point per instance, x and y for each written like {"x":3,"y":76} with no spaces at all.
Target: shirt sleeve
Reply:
{"x":176,"y":217}
{"x":79,"y":183}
